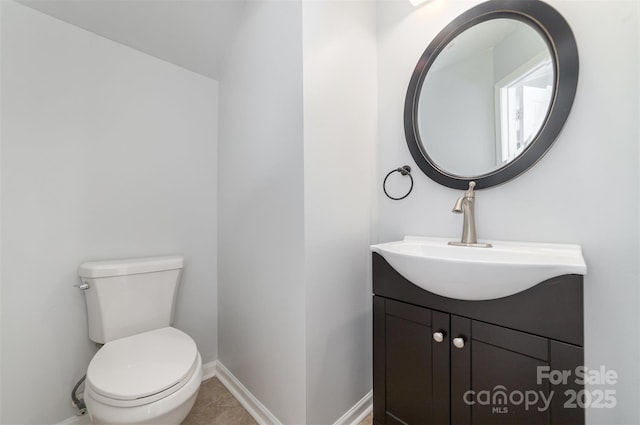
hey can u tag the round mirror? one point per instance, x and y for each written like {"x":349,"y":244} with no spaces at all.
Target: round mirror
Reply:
{"x":491,"y":93}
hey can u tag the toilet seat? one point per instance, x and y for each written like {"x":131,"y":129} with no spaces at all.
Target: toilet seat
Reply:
{"x":142,"y":368}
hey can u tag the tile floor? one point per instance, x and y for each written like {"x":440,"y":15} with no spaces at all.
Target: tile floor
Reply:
{"x":216,"y":406}
{"x":368,"y":420}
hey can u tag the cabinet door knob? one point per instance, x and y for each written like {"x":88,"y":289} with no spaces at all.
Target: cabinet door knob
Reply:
{"x":458,"y":342}
{"x":438,"y":336}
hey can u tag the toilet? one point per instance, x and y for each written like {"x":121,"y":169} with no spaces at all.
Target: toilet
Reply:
{"x":147,"y":372}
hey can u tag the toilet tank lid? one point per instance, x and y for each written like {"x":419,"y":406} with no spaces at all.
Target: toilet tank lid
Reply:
{"x":109,"y":268}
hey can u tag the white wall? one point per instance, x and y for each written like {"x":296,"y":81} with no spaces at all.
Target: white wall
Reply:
{"x":261,"y":209}
{"x":106,"y":153}
{"x":296,"y":197}
{"x":340,"y":95}
{"x":585,"y":190}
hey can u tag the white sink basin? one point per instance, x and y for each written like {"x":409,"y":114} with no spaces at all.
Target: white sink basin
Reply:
{"x":468,"y":273}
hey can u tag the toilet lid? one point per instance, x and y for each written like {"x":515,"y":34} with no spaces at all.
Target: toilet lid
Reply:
{"x":141,"y":365}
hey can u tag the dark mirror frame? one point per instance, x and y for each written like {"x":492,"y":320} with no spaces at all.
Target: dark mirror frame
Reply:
{"x":562,"y":46}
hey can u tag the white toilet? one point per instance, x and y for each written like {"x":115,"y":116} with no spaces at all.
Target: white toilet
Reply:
{"x":147,"y":372}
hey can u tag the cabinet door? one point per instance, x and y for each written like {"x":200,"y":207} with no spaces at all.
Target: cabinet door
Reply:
{"x":411,"y":367}
{"x":498,"y":376}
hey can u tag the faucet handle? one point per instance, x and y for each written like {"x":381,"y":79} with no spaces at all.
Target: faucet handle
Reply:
{"x":470,"y":193}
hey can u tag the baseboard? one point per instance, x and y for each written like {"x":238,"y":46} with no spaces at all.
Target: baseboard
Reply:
{"x":263,"y":416}
{"x":358,"y":412}
{"x":257,"y":410}
{"x":77,"y":420}
{"x":209,"y":370}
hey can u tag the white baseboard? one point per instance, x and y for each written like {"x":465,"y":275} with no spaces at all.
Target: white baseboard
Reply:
{"x":358,"y":412}
{"x":209,"y":370}
{"x":257,"y":410}
{"x":77,"y":420}
{"x":263,"y":416}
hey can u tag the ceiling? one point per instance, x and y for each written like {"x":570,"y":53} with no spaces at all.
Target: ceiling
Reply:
{"x":189,"y":33}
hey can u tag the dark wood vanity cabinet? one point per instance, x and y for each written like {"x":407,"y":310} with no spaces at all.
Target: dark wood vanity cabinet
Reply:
{"x":444,"y":361}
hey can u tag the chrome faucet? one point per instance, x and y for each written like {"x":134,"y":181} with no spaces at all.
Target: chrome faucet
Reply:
{"x":465,"y":205}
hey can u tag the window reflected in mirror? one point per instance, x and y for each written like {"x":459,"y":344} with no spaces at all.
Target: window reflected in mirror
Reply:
{"x":522,"y":102}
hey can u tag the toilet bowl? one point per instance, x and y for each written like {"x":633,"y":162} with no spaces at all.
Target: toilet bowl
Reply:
{"x":148,"y":378}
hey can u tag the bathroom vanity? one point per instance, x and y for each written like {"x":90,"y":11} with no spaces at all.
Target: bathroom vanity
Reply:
{"x":510,"y":360}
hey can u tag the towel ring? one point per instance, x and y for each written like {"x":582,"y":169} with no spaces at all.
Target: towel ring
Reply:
{"x":405,"y":171}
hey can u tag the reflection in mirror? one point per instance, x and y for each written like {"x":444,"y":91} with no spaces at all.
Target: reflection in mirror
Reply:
{"x":485,"y":97}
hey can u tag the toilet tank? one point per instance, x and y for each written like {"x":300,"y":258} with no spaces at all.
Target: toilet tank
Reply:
{"x":126,"y":297}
